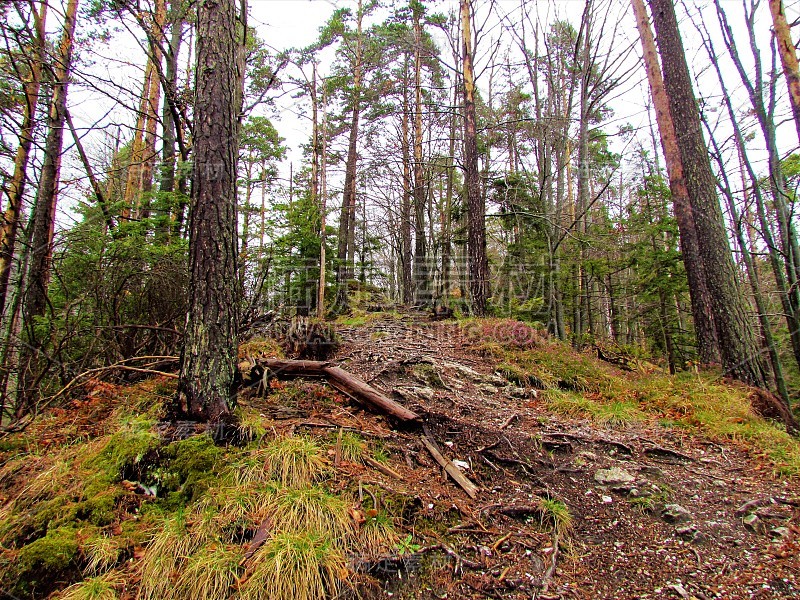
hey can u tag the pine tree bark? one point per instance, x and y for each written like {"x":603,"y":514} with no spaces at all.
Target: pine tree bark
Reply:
{"x":788,"y":54}
{"x":405,"y":203}
{"x":478,"y":264}
{"x":421,"y":286}
{"x":208,"y":356}
{"x":42,"y":227}
{"x":347,"y":220}
{"x":16,"y":187}
{"x":738,"y":347}
{"x":708,"y":347}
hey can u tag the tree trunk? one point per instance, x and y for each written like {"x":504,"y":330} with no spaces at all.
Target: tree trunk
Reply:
{"x":699,"y":294}
{"x":788,"y":54}
{"x":208,"y":356}
{"x":405,"y":203}
{"x":740,"y":355}
{"x":38,"y":277}
{"x":478,"y":264}
{"x":153,"y":100}
{"x":347,"y":221}
{"x":421,"y":284}
{"x":16,"y":187}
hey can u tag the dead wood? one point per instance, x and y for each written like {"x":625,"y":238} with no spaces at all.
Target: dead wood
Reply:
{"x":453,"y":471}
{"x":382,"y":468}
{"x":358,"y":389}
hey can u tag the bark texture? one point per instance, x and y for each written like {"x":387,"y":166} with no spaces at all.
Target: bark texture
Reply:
{"x":38,"y":276}
{"x":738,"y":347}
{"x":208,"y":357}
{"x":788,"y":54}
{"x":708,"y":346}
{"x":476,"y":210}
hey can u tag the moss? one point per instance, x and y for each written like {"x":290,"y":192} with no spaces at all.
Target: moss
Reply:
{"x":99,"y":509}
{"x":47,"y":559}
{"x":188,"y":468}
{"x":127,"y":447}
{"x":428,"y":375}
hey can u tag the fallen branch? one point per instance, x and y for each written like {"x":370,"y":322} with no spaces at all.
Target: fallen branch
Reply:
{"x":343,"y":381}
{"x":382,"y":468}
{"x":453,"y":471}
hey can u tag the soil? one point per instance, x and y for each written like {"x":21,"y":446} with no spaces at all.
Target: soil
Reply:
{"x":620,"y":541}
{"x":501,"y":545}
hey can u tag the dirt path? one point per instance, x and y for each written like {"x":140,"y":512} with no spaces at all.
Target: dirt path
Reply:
{"x":655,"y":512}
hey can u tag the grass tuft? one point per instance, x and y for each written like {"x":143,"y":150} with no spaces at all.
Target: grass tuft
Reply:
{"x":294,"y":461}
{"x":102,"y":552}
{"x":102,"y":587}
{"x":314,"y":509}
{"x":210,"y":573}
{"x":295,"y":566}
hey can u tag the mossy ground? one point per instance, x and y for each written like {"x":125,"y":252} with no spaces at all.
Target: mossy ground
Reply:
{"x":579,"y":385}
{"x":123,"y":505}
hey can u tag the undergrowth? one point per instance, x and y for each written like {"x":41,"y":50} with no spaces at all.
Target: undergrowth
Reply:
{"x":126,"y":514}
{"x":579,"y":385}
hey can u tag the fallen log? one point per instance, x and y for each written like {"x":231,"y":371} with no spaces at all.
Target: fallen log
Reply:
{"x":342,"y":380}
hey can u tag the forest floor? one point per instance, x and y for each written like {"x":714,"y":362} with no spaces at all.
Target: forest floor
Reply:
{"x":594,"y":482}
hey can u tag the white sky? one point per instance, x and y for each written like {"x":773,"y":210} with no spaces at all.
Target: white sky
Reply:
{"x":295,"y":23}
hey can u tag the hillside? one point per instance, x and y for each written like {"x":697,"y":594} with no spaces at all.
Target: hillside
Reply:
{"x":594,"y":482}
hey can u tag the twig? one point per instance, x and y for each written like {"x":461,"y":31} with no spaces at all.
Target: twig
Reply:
{"x":508,"y":421}
{"x":455,"y":473}
{"x":382,"y":468}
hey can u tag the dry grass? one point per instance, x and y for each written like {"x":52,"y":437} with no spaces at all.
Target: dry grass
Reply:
{"x":103,"y":587}
{"x":102,"y":553}
{"x":294,"y":461}
{"x":312,"y":508}
{"x":295,"y":566}
{"x":209,"y":574}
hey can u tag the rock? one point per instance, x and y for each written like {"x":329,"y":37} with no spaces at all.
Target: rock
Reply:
{"x":607,"y":499}
{"x":613,"y":476}
{"x":497,"y":380}
{"x":675,"y":513}
{"x":779,"y":532}
{"x":651,"y":471}
{"x":691,"y":534}
{"x":487,"y":388}
{"x":425,"y":393}
{"x":516,"y":392}
{"x":461,"y":464}
{"x":626,"y":489}
{"x":754,"y":524}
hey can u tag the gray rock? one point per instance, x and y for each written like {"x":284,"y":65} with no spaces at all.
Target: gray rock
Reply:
{"x":516,"y":392}
{"x":651,"y":471}
{"x":487,"y":388}
{"x":498,"y":380}
{"x":779,"y":532}
{"x":675,"y":513}
{"x":754,"y":524}
{"x":690,"y":533}
{"x":613,"y":476}
{"x":425,"y":393}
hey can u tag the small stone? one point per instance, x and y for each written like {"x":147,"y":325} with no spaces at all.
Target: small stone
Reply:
{"x":488,"y":388}
{"x":517,"y":392}
{"x":754,"y":524}
{"x":780,"y":532}
{"x":675,"y":513}
{"x":461,"y":464}
{"x":498,"y":381}
{"x":425,"y":393}
{"x":720,"y":483}
{"x":613,"y":476}
{"x":651,"y":471}
{"x":607,"y":499}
